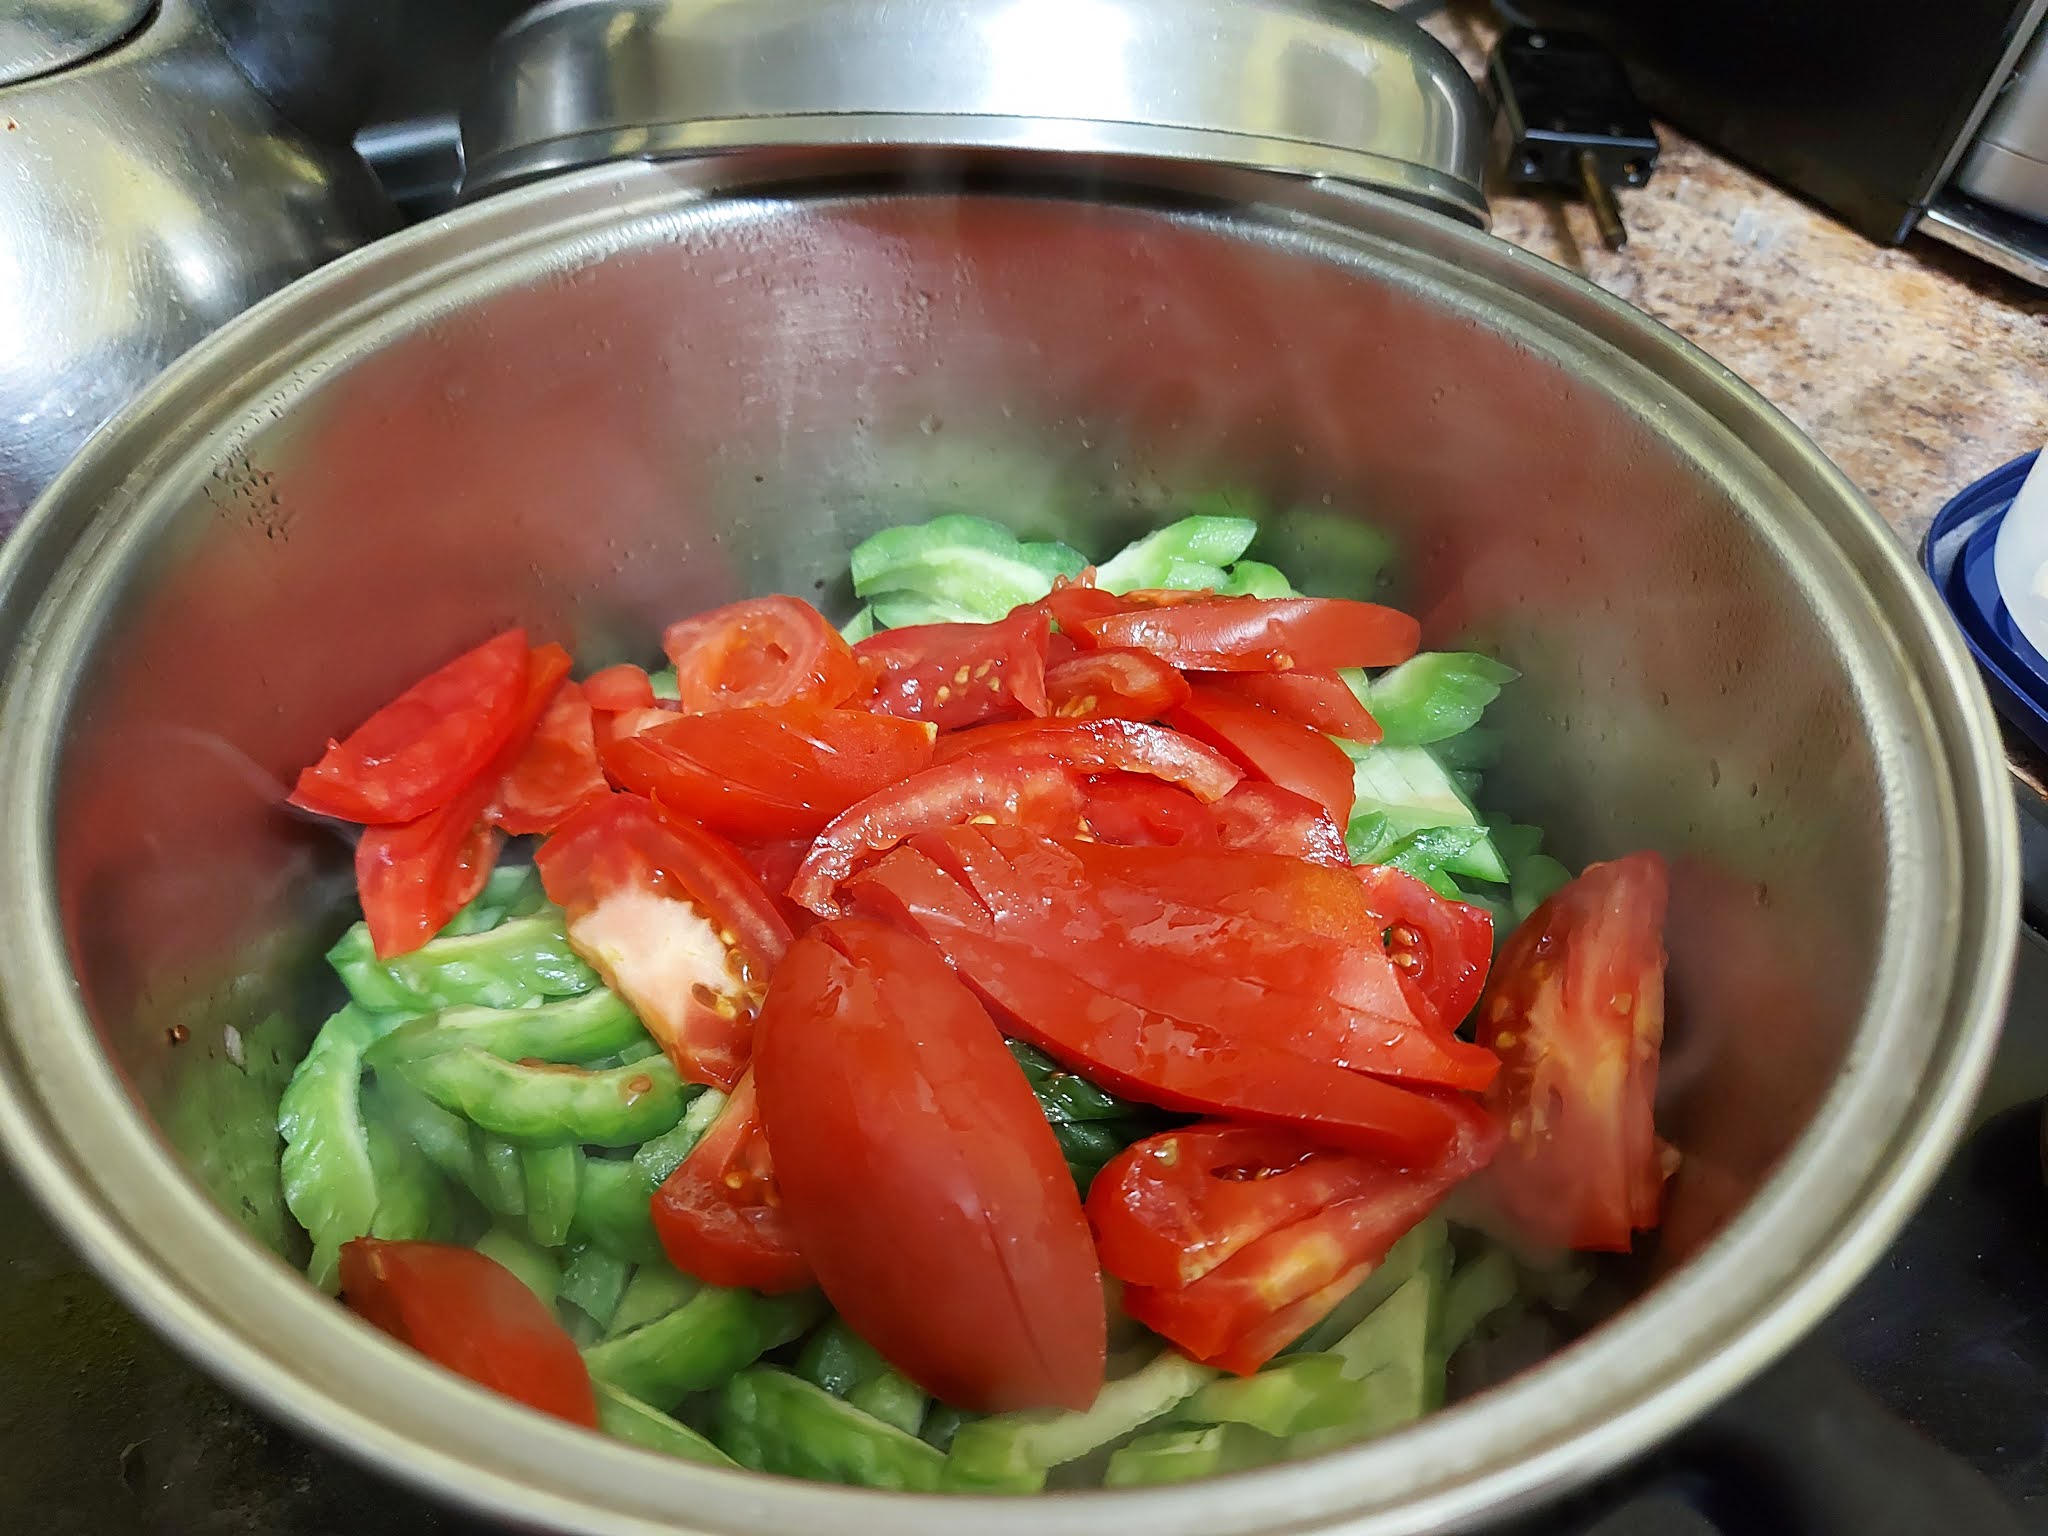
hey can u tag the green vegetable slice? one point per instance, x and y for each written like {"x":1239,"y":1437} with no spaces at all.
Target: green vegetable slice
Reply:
{"x":1402,"y":790}
{"x":1007,"y":1447}
{"x":1204,"y":541}
{"x":553,"y":1177}
{"x":1434,"y":695}
{"x":330,"y":1183}
{"x":1182,"y":1455}
{"x":700,"y":1344}
{"x":544,"y":1105}
{"x":538,"y":1269}
{"x":954,"y":569}
{"x":775,"y":1422}
{"x":598,"y":1023}
{"x":519,"y":961}
{"x":625,"y":1417}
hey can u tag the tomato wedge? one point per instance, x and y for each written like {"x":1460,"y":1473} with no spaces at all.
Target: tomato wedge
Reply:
{"x":614,"y":690}
{"x":921,"y":1178}
{"x":1103,"y":746}
{"x":557,"y":772}
{"x":417,"y":752}
{"x":412,"y":878}
{"x":1236,"y":1239}
{"x":720,"y":1215}
{"x":465,"y":1311}
{"x":770,"y":772}
{"x":1139,"y":1054}
{"x":1116,"y":685}
{"x":1282,"y":751}
{"x":1442,"y":948}
{"x":761,"y":650}
{"x":958,"y":675}
{"x":1260,"y":634}
{"x":1575,"y":1011}
{"x":676,"y":924}
{"x":1264,"y":818}
{"x":1321,"y":700}
{"x":1127,"y":808}
{"x":1023,"y":791}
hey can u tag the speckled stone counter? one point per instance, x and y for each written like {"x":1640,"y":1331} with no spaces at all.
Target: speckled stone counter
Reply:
{"x":1915,"y":369}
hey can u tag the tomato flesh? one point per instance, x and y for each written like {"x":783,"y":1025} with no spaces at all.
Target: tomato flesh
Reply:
{"x":761,"y":650}
{"x":1575,"y":1010}
{"x":1103,"y":746}
{"x":673,"y":920}
{"x":956,"y":675}
{"x":617,"y":689}
{"x":1127,"y":808}
{"x":413,"y":877}
{"x":1260,"y":634}
{"x":1322,"y":701}
{"x":465,"y":1311}
{"x":558,"y":771}
{"x":921,"y":1177}
{"x":1264,"y":818}
{"x":720,"y":1215}
{"x":1281,"y":751}
{"x":419,"y":751}
{"x":1032,"y":792}
{"x":1441,"y":948}
{"x":770,"y":772}
{"x":1116,"y":685}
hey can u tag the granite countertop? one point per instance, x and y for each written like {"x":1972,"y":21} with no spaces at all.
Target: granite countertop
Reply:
{"x":1916,"y":369}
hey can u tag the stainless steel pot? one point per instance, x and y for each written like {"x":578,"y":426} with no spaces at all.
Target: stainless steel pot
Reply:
{"x":603,"y":400}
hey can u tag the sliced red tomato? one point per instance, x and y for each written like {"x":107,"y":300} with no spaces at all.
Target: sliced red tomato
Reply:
{"x":1128,"y":808}
{"x":921,"y":1178}
{"x":1269,"y":1230}
{"x":1322,"y":700}
{"x":615,"y":690}
{"x":1102,"y":746}
{"x":1264,"y":818}
{"x":720,"y":1215}
{"x":956,"y":675}
{"x":762,"y":650}
{"x":468,"y":1313}
{"x":1272,"y":888}
{"x":1228,"y":976}
{"x":1281,"y":751}
{"x":557,"y":772}
{"x":673,"y":920}
{"x":773,"y":771}
{"x":419,"y":751}
{"x":1575,"y":1010}
{"x":1142,"y":1055}
{"x":1442,"y":948}
{"x":1029,"y":792}
{"x":1260,"y":634}
{"x":1118,"y":685}
{"x":775,"y":865}
{"x":412,"y":878}
{"x":1070,"y":603}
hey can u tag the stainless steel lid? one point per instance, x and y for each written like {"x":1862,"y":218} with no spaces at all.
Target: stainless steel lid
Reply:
{"x":39,"y":37}
{"x":1339,"y":89}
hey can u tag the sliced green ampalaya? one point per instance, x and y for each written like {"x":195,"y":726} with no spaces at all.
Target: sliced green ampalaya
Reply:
{"x":598,"y":1023}
{"x":543,"y":1105}
{"x":1007,"y":1448}
{"x":1402,"y":790}
{"x":330,"y":1182}
{"x":1432,"y":695}
{"x":773,"y":1421}
{"x":701,"y":1344}
{"x":518,"y":961}
{"x":954,"y":569}
{"x":1182,"y":554}
{"x":625,"y":1417}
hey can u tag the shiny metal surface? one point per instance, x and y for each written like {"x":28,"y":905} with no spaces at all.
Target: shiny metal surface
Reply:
{"x":597,"y":402}
{"x":1310,"y":87}
{"x":40,"y":36}
{"x":2007,"y":163}
{"x":145,"y":198}
{"x":2005,"y":240}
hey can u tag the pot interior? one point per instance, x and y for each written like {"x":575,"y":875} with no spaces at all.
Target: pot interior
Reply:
{"x":617,"y":428}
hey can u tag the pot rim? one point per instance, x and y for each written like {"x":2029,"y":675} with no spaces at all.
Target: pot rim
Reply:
{"x":1875,"y":1144}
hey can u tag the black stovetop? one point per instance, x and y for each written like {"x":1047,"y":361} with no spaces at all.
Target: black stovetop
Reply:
{"x":1920,"y":1406}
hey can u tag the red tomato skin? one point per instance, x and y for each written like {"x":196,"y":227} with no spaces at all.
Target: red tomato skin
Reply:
{"x":468,"y":1313}
{"x":921,"y":1178}
{"x":1442,"y":948}
{"x":760,"y":650}
{"x":1322,"y":701}
{"x":423,"y":748}
{"x":1102,"y":746}
{"x":775,"y":771}
{"x":1217,"y":975}
{"x":614,"y":690}
{"x":1023,"y":791}
{"x":412,"y":878}
{"x":1114,"y":685}
{"x":1133,"y":810}
{"x":957,"y":675}
{"x":720,"y":1215}
{"x":1285,"y":752}
{"x":1260,"y":634}
{"x":1575,"y":1010}
{"x":1264,"y":818}
{"x":627,"y":844}
{"x":558,"y":771}
{"x":1141,"y":1055}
